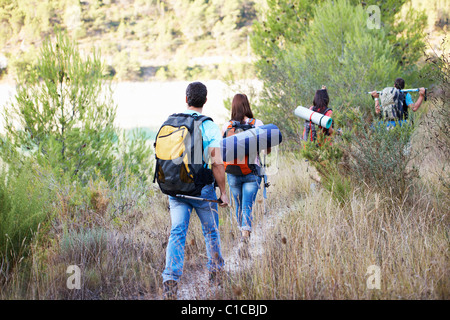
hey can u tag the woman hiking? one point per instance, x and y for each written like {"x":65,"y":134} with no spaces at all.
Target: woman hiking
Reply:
{"x":243,"y":174}
{"x":320,"y":105}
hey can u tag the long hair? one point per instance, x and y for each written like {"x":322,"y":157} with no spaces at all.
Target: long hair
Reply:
{"x":321,"y":100}
{"x":240,"y":108}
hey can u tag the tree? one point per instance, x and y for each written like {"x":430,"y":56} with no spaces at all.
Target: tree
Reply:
{"x":283,"y":22}
{"x":287,"y":21}
{"x":338,"y":51}
{"x":303,"y":45}
{"x":64,"y":116}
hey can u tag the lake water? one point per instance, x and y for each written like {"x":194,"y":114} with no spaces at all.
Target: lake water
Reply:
{"x":148,"y":104}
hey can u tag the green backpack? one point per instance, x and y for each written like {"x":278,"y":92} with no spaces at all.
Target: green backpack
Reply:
{"x":180,"y":168}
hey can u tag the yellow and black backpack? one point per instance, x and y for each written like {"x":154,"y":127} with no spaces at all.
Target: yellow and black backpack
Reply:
{"x":180,"y":167}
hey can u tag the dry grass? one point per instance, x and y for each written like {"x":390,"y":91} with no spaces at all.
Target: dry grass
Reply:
{"x":305,"y":245}
{"x":320,"y":250}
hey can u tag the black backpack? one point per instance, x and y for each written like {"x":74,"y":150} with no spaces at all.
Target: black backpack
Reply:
{"x":180,"y":167}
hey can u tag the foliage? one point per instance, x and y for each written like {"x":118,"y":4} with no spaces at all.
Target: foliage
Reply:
{"x":150,"y":30}
{"x":23,"y":210}
{"x":338,"y":51}
{"x":287,"y":22}
{"x":382,"y":158}
{"x":437,"y":132}
{"x":284,"y":22}
{"x":64,"y":117}
{"x":61,"y":116}
{"x":406,"y":33}
{"x":326,"y":157}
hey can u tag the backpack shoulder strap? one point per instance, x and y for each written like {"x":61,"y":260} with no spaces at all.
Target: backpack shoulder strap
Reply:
{"x":231,"y":124}
{"x":200,"y":117}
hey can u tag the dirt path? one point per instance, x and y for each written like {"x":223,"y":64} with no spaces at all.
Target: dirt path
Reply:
{"x":195,"y":283}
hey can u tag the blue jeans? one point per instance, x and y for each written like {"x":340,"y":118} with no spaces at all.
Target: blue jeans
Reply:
{"x":244,"y":190}
{"x":180,"y":213}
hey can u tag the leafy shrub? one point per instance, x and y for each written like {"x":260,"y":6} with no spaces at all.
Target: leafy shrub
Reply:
{"x":327,"y":159}
{"x":382,"y":158}
{"x":23,"y":209}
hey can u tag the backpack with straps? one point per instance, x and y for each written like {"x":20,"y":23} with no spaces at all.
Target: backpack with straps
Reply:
{"x":180,"y":167}
{"x":392,"y":102}
{"x":240,"y":167}
{"x":310,"y":131}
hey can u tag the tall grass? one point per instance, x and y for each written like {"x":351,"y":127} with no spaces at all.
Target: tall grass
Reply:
{"x":306,"y":243}
{"x":321,"y":250}
{"x":23,"y":208}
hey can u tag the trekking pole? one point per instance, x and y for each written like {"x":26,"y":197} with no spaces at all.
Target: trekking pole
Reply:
{"x":264,"y":195}
{"x":405,"y":90}
{"x":230,"y":210}
{"x":197,"y":198}
{"x":409,"y":90}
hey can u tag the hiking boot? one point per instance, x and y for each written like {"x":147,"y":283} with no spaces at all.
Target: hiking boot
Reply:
{"x":170,"y":289}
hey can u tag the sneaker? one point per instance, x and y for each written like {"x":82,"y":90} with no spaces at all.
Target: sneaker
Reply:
{"x":170,"y":289}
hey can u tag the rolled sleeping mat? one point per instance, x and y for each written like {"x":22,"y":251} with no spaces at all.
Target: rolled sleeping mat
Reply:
{"x":250,"y":142}
{"x":316,"y":117}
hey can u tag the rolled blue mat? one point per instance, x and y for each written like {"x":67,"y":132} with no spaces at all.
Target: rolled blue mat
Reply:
{"x":250,"y":142}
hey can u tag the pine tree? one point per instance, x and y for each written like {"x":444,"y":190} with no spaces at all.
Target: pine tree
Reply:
{"x":63,"y":114}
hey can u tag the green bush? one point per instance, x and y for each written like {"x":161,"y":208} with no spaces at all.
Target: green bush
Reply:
{"x":24,"y":199}
{"x":327,"y":158}
{"x":382,"y":158}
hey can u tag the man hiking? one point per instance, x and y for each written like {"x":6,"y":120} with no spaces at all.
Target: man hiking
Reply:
{"x":182,"y":207}
{"x":399,"y":103}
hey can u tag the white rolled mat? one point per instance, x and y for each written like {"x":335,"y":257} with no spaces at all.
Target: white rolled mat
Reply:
{"x":316,"y":117}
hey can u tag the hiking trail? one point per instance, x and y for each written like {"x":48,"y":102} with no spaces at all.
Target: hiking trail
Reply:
{"x":195,"y":284}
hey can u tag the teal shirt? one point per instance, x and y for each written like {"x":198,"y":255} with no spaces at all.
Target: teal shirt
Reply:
{"x":210,"y":134}
{"x":408,"y":99}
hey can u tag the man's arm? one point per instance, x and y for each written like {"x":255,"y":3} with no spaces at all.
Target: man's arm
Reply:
{"x":376,"y":96}
{"x":415,"y":106}
{"x":218,"y":170}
